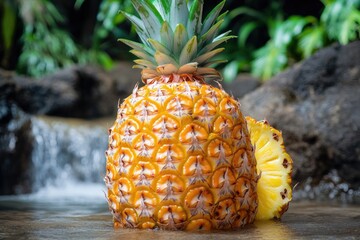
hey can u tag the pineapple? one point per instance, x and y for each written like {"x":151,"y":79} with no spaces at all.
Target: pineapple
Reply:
{"x":180,"y":152}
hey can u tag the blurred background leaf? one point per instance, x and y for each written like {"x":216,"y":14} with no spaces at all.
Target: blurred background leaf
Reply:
{"x":47,"y":41}
{"x":288,"y":37}
{"x":341,"y":19}
{"x":8,"y":24}
{"x":42,"y":36}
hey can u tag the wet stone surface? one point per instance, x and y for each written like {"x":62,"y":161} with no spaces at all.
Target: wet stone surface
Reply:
{"x":23,"y":218}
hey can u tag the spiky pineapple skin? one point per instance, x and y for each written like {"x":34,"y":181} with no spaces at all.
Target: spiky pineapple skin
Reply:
{"x":180,"y":157}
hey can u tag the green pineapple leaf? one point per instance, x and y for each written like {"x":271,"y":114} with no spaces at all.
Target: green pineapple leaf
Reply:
{"x":139,"y":26}
{"x":150,"y":17}
{"x":175,"y":32}
{"x":180,"y":38}
{"x":146,"y":63}
{"x":212,"y":32}
{"x":206,"y":56}
{"x":211,"y":17}
{"x":162,"y":58}
{"x":164,"y":8}
{"x":159,"y":47}
{"x":195,"y":17}
{"x":179,"y":13}
{"x":137,"y":46}
{"x":215,"y":43}
{"x":167,"y":35}
{"x":189,"y":51}
{"x":142,"y":55}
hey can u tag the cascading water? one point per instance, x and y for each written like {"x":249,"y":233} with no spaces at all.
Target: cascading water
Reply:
{"x":68,"y":156}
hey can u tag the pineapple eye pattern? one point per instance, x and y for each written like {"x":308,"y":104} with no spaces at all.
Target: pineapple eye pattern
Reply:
{"x":179,"y":156}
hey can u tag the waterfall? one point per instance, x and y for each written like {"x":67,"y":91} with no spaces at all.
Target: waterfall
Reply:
{"x":67,"y":152}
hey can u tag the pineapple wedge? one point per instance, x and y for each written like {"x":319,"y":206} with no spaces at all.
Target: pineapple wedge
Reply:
{"x":274,"y":165}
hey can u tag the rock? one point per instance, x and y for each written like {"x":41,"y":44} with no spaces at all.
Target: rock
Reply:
{"x":125,"y":78}
{"x":242,"y":85}
{"x":316,"y":105}
{"x":43,"y":97}
{"x":79,"y":91}
{"x":239,"y":87}
{"x":15,"y":143}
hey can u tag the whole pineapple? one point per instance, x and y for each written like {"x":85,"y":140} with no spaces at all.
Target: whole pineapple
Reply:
{"x":180,"y":154}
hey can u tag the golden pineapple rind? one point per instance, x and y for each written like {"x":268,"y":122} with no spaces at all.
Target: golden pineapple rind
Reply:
{"x":180,"y":157}
{"x":274,"y":165}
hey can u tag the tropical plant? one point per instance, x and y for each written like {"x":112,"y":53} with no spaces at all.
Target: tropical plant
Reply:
{"x":274,"y":55}
{"x":46,"y":45}
{"x":8,"y":29}
{"x":294,"y":38}
{"x":249,"y":24}
{"x":341,"y":19}
{"x":107,"y":24}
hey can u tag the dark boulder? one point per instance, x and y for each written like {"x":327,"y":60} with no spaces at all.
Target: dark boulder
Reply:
{"x":15,"y":143}
{"x":316,"y":105}
{"x":78,"y":92}
{"x":125,"y":78}
{"x":242,"y":85}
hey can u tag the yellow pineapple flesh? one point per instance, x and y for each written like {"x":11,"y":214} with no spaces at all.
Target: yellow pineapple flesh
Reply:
{"x":274,"y":165}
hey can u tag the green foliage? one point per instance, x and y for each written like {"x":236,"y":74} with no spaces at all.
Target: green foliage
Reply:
{"x":341,"y":19}
{"x":108,"y":20}
{"x":250,"y":22}
{"x":8,"y":24}
{"x":293,"y":38}
{"x":311,"y":39}
{"x":47,"y":46}
{"x":274,"y":56}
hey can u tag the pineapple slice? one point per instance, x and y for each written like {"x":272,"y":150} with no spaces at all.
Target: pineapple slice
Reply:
{"x":274,"y":165}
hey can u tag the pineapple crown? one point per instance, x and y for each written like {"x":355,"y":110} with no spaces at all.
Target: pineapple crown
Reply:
{"x":175,"y":40}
